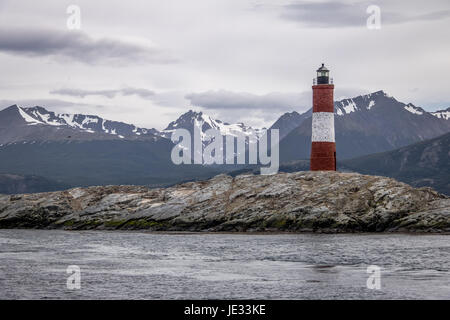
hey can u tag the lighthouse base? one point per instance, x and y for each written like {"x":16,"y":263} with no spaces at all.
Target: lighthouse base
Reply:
{"x":323,"y":156}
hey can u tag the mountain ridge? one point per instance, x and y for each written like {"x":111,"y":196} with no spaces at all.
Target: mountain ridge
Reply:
{"x":19,"y":124}
{"x":83,"y":124}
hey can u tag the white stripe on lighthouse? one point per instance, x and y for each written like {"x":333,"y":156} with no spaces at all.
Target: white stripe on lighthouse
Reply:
{"x":322,"y":127}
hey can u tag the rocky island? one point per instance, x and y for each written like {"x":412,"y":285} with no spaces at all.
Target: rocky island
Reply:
{"x":294,"y":202}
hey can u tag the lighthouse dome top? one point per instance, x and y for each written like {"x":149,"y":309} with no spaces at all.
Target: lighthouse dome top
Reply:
{"x":322,"y":68}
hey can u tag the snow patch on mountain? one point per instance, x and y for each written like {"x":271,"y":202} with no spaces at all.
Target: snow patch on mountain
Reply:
{"x":28,"y":119}
{"x":345,"y":106}
{"x":46,"y":118}
{"x":442,"y":114}
{"x":413,"y":109}
{"x":88,"y":120}
{"x":350,"y":107}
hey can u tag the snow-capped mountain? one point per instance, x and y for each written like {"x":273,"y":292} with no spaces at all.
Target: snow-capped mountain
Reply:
{"x":39,"y":124}
{"x":442,"y":114}
{"x":367,"y":102}
{"x":192,"y":120}
{"x":88,"y":123}
{"x":203,"y":122}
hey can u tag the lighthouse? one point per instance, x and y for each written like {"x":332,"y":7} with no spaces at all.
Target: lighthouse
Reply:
{"x":323,"y":145}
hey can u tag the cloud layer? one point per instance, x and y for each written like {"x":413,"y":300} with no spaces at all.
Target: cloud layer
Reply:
{"x":51,"y":104}
{"x":81,"y":93}
{"x":263,"y":53}
{"x":78,"y":46}
{"x":333,"y":14}
{"x":223,"y":99}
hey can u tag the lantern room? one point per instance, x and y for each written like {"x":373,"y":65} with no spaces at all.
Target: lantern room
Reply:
{"x":323,"y":75}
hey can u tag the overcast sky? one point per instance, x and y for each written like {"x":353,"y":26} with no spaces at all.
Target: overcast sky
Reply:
{"x":147,"y":62}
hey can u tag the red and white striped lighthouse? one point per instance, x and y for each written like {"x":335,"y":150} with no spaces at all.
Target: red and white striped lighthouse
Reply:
{"x":323,"y":145}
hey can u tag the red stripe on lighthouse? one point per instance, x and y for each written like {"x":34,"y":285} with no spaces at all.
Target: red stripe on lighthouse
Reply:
{"x":323,"y":98}
{"x":323,"y":156}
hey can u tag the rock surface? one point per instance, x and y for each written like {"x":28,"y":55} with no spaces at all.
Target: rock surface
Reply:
{"x":299,"y":202}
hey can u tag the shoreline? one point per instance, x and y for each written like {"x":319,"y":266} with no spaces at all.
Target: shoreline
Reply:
{"x":243,"y":233}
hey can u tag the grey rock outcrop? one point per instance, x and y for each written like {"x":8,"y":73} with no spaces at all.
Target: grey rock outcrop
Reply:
{"x":298,"y":202}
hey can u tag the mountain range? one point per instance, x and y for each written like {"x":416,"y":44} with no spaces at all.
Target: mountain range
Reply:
{"x":365,"y":124}
{"x":38,"y":124}
{"x":82,"y":150}
{"x":34,"y":124}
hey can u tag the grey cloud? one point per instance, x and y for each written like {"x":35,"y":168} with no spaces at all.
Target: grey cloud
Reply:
{"x":325,"y":14}
{"x":83,"y":93}
{"x":143,"y":93}
{"x":266,"y":104}
{"x":173,"y":99}
{"x":223,"y":99}
{"x":51,"y":104}
{"x":437,"y":15}
{"x":78,"y":46}
{"x":340,"y":14}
